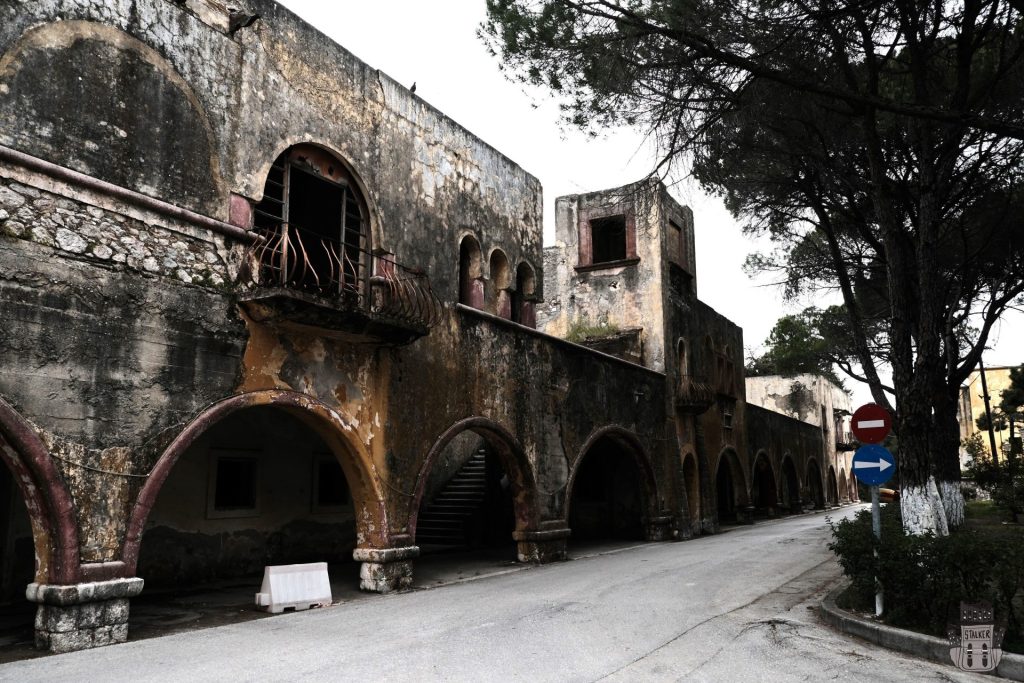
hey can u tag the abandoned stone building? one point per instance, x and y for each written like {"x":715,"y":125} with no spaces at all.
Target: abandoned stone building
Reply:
{"x":261,"y":305}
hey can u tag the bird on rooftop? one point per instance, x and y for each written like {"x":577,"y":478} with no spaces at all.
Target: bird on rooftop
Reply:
{"x":413,"y":88}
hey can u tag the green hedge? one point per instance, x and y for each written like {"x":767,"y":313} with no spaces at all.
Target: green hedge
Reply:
{"x":926,"y":577}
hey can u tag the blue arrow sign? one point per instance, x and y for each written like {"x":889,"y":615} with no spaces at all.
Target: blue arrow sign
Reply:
{"x":873,"y":464}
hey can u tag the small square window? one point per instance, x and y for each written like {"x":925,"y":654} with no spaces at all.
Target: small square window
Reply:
{"x":608,"y":239}
{"x":234,"y":484}
{"x":330,"y":488}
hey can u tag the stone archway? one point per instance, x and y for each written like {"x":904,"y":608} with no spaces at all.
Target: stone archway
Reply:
{"x":372,"y":524}
{"x":612,"y":492}
{"x":48,"y":503}
{"x":763,"y":487}
{"x":844,"y":488}
{"x":833,"y":487}
{"x":730,"y":487}
{"x":815,"y":486}
{"x":521,"y":483}
{"x":790,"y":485}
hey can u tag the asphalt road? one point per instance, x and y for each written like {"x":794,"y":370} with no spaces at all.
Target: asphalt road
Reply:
{"x":733,"y":607}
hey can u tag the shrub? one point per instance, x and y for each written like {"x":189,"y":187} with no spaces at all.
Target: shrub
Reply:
{"x":926,"y":577}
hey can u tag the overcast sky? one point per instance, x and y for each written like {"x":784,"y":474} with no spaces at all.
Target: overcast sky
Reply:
{"x":434,"y":44}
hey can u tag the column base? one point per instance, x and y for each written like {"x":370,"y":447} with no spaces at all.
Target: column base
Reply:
{"x":385,"y":570}
{"x":658,"y":528}
{"x":82,"y":616}
{"x":543,"y":546}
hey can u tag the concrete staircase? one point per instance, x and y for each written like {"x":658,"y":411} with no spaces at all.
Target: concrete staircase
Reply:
{"x":443,"y":521}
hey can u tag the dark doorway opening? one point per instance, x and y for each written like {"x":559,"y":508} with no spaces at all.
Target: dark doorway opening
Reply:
{"x":833,"y":487}
{"x":17,"y":570}
{"x":607,"y":499}
{"x":814,"y":485}
{"x":725,"y":488}
{"x":763,"y":492}
{"x":791,"y":492}
{"x":692,"y":482}
{"x":470,"y":504}
{"x":260,"y":487}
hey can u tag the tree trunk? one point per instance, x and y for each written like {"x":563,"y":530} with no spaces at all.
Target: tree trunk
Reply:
{"x":922,"y":509}
{"x":946,"y":437}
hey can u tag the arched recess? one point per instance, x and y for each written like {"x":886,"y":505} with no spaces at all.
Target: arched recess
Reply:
{"x":373,"y":530}
{"x":499,"y":299}
{"x":763,"y":488}
{"x":815,"y":486}
{"x":315,"y":222}
{"x":79,"y":118}
{"x":833,"y":486}
{"x":691,"y":480}
{"x":607,"y":446}
{"x":50,"y":508}
{"x":471,"y":273}
{"x":730,"y":486}
{"x":513,"y":460}
{"x":524,"y":299}
{"x":844,"y":488}
{"x":790,"y":485}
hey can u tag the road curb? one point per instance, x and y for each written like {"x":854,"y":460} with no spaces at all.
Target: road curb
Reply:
{"x":927,"y":647}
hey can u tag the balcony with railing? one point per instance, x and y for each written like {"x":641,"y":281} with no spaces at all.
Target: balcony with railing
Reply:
{"x":299,"y":276}
{"x":846,"y":441}
{"x":694,"y":394}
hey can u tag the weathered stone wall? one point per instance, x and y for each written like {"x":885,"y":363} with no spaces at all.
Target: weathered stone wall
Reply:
{"x":779,"y":435}
{"x":616,"y":296}
{"x":146,"y":95}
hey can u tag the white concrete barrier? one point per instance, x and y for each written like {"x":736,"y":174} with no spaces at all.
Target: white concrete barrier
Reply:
{"x":299,"y":586}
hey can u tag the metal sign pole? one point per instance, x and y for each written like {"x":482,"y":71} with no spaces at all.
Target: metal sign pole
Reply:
{"x":876,"y":526}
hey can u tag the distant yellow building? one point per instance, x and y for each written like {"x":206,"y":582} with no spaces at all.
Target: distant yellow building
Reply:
{"x":972,"y":404}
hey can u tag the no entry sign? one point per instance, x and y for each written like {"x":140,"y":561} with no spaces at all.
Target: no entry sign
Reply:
{"x":871,"y":423}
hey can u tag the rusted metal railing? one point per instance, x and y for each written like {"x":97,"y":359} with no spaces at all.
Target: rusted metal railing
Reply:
{"x":694,"y":394}
{"x":295,"y":258}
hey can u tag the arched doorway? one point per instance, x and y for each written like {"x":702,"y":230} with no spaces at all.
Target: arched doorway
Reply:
{"x":844,"y":488}
{"x":833,"y":487}
{"x":791,"y":486}
{"x":611,"y":490}
{"x":474,"y":491}
{"x":691,"y":480}
{"x":468,"y":501}
{"x":257,"y":488}
{"x":730,"y":487}
{"x":17,"y":564}
{"x":814,"y":484}
{"x":763,"y":490}
{"x":38,"y":531}
{"x":262,"y":478}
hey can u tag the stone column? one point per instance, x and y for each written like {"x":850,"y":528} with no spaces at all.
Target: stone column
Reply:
{"x":543,"y":545}
{"x":83,"y":615}
{"x":385,"y":569}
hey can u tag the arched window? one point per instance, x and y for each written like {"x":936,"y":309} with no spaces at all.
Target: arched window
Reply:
{"x":682,"y":358}
{"x":471,"y":284}
{"x":523,"y":301}
{"x":500,"y":302}
{"x":315,"y":223}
